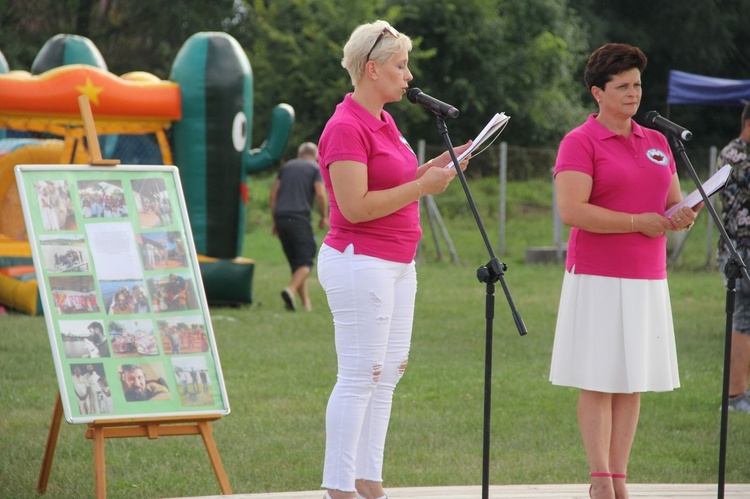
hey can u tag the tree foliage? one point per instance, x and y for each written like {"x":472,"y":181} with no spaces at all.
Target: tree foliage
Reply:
{"x":471,"y":54}
{"x":295,"y":47}
{"x":709,"y":37}
{"x":523,"y":57}
{"x":132,"y":36}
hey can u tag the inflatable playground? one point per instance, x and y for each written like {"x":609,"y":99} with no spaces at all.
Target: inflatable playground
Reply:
{"x":199,"y":120}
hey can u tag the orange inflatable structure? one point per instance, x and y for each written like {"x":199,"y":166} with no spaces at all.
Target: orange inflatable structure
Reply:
{"x":199,"y":121}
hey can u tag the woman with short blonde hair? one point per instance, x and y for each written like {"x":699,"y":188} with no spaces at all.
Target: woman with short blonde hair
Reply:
{"x":366,"y":262}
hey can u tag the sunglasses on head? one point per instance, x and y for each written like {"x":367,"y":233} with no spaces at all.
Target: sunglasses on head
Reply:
{"x":388,"y":29}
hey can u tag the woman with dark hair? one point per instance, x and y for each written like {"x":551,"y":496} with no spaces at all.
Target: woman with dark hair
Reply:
{"x":614,"y":337}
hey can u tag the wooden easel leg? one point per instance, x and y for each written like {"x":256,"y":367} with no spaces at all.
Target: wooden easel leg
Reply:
{"x":49,"y":451}
{"x":213,"y":454}
{"x":100,"y":474}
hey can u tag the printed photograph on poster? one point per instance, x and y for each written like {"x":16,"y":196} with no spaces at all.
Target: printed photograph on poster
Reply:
{"x":132,"y":338}
{"x":124,"y":297}
{"x":192,"y":377}
{"x":84,"y":339}
{"x":183,"y":334}
{"x":144,"y":382}
{"x":102,"y":199}
{"x":74,"y":294}
{"x":172,"y":292}
{"x":152,"y":202}
{"x":91,"y":387}
{"x":65,"y":253}
{"x":162,"y":250}
{"x":55,"y":205}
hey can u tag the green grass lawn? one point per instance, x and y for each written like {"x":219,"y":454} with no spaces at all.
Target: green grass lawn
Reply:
{"x":279,"y":368}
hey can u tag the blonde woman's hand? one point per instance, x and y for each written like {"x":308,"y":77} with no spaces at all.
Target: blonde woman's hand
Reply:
{"x":445,"y":160}
{"x":436,"y":180}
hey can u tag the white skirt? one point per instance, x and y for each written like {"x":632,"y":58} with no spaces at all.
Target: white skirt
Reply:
{"x":614,"y":335}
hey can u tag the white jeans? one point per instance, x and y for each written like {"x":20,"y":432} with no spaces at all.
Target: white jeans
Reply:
{"x":372,"y":302}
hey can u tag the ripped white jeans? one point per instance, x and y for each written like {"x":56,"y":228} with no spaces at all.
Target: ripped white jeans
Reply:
{"x":372,"y":302}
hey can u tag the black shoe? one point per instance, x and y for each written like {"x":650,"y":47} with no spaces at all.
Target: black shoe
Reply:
{"x":288,"y":300}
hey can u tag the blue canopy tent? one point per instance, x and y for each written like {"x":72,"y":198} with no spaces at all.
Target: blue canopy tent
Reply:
{"x":687,"y":88}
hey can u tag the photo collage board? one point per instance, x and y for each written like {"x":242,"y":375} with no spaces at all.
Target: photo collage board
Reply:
{"x":121,"y":291}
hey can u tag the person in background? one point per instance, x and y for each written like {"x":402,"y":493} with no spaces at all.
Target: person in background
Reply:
{"x":366,"y":262}
{"x":735,"y":199}
{"x":297,"y":185}
{"x":614,"y":336}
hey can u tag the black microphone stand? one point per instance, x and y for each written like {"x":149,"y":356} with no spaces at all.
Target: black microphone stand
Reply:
{"x":732,"y":270}
{"x":489,"y":274}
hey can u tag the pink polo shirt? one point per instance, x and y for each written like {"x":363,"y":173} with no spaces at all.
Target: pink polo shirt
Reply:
{"x":353,"y":134}
{"x":629,"y":175}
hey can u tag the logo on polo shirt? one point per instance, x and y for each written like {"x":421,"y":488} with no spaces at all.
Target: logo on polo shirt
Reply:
{"x":658,"y":157}
{"x":404,"y":141}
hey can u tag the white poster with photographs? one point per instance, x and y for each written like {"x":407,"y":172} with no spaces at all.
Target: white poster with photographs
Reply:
{"x":120,"y":285}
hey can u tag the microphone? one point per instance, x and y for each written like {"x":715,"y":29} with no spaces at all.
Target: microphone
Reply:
{"x":416,"y":96}
{"x":657,"y":122}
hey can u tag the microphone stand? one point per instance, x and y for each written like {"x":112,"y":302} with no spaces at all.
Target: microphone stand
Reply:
{"x":489,"y":274}
{"x":732,"y":270}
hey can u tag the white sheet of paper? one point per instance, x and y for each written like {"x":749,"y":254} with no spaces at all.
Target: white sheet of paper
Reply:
{"x":497,"y":122}
{"x":711,"y":186}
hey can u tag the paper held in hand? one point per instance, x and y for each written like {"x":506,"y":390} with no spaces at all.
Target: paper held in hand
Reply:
{"x":711,"y":186}
{"x":495,"y":126}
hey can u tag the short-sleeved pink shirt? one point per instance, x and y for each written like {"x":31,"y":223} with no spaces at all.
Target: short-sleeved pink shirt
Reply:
{"x":629,"y":175}
{"x":353,"y":134}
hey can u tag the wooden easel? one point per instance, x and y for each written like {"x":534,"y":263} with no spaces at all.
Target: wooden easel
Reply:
{"x":133,"y":427}
{"x":126,"y":427}
{"x":91,"y":137}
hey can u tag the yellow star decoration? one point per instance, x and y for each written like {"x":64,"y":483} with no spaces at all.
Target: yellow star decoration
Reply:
{"x":90,"y":91}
